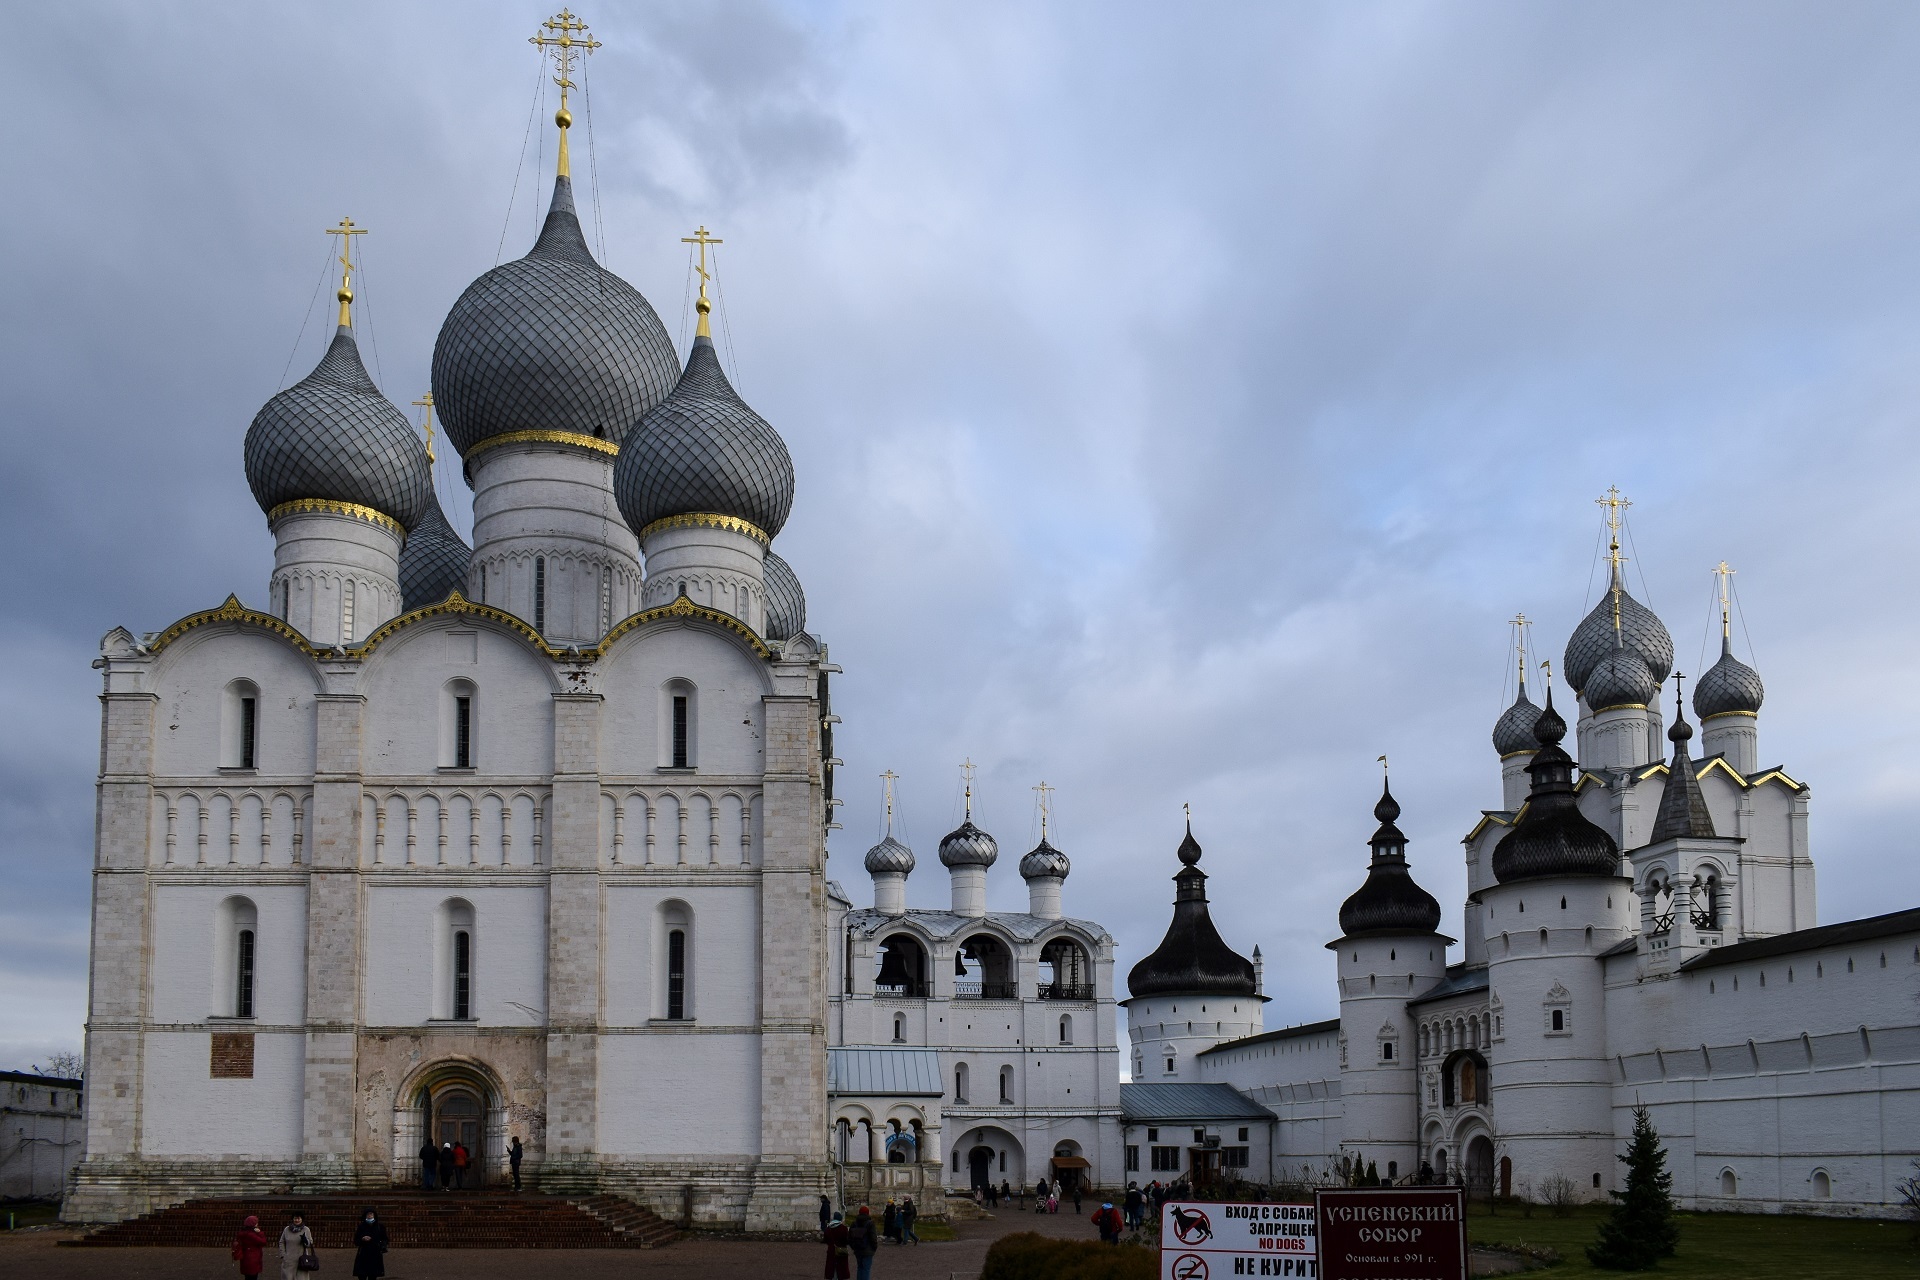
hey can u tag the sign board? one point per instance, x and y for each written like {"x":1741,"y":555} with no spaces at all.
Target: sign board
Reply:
{"x":1392,"y":1233}
{"x":1215,"y":1241}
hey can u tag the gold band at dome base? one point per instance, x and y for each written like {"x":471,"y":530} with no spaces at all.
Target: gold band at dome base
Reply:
{"x":706,"y":519}
{"x":327,"y":506}
{"x":1751,"y":715}
{"x":578,"y":440}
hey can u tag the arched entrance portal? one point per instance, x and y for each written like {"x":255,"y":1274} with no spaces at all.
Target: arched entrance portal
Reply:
{"x":451,"y":1102}
{"x":1479,"y":1166}
{"x":980,"y":1163}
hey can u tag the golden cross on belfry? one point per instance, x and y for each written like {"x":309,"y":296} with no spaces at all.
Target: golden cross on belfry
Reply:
{"x":567,"y":38}
{"x":702,"y":306}
{"x":1616,"y":514}
{"x":1520,"y":643}
{"x":887,"y":780}
{"x":346,"y":231}
{"x":1724,"y":572}
{"x":967,"y":770}
{"x":427,"y":400}
{"x":1044,"y":791}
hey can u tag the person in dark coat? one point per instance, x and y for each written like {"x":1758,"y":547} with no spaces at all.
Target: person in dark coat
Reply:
{"x":429,"y":1161}
{"x":826,"y":1213}
{"x":369,"y":1247}
{"x":446,"y":1166}
{"x":514,"y":1153}
{"x":890,"y":1222}
{"x":1136,"y":1206}
{"x":839,"y":1251}
{"x":907,"y":1215}
{"x":250,"y":1248}
{"x":863,"y":1237}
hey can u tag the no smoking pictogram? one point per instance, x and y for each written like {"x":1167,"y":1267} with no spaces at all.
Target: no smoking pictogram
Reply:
{"x":1190,"y":1266}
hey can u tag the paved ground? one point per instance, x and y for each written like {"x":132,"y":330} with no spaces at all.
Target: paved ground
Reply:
{"x":34,"y":1254}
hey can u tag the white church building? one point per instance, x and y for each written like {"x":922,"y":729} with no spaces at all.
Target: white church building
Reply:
{"x":1640,"y":930}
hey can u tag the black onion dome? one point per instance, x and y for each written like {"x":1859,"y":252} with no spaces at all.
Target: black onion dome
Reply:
{"x":1513,"y":731}
{"x":550,"y":342}
{"x":1622,"y":680}
{"x":332,"y":436}
{"x":1044,"y":860}
{"x":703,"y":451}
{"x":1552,"y":837}
{"x":1592,"y":640}
{"x":890,"y":855}
{"x":1192,"y":959}
{"x":969,"y":846}
{"x":1729,"y":687}
{"x":1389,"y":901}
{"x":433,"y":563}
{"x":786,"y":602}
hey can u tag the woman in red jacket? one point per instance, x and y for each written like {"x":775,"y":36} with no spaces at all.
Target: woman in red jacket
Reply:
{"x":250,"y":1248}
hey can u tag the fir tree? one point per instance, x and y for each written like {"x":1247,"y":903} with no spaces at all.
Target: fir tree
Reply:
{"x":1641,"y":1230}
{"x":1373,"y":1174}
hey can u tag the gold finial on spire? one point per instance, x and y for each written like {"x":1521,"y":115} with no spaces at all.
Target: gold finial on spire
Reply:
{"x":1616,"y":516}
{"x":1547,"y":667}
{"x":1519,"y":625}
{"x":567,"y":37}
{"x":967,"y":770}
{"x":427,"y":400}
{"x":346,"y":231}
{"x":1724,"y":572}
{"x":887,"y":780}
{"x":1044,"y":791}
{"x":702,"y":239}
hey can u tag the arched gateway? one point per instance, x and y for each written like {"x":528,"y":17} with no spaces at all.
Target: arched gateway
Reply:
{"x":451,"y":1101}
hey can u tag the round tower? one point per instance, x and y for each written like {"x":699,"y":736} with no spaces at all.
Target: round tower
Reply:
{"x":890,"y":862}
{"x":540,"y":370}
{"x":1727,"y":699}
{"x":1194,"y":991}
{"x":1388,"y":953}
{"x":342,"y":478}
{"x":1560,"y":901}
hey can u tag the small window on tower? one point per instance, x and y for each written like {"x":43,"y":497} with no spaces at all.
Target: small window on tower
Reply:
{"x":243,"y":993}
{"x":462,"y":974}
{"x":540,"y":594}
{"x":249,"y":708}
{"x":1559,"y":1020}
{"x":679,"y":730}
{"x":463,"y":732}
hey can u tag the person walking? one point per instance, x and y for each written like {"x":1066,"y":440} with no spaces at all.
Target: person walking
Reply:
{"x":514,"y":1153}
{"x":295,"y":1243}
{"x":839,"y":1251}
{"x":890,"y":1221}
{"x":1040,"y":1196}
{"x":461,"y":1158}
{"x":369,"y":1247}
{"x":826,"y":1212}
{"x":429,"y":1160}
{"x":250,"y":1248}
{"x":864,"y":1239}
{"x":1106,"y":1220}
{"x":446,"y":1166}
{"x":1076,"y":1196}
{"x":907,"y":1214}
{"x":1136,"y":1206}
{"x":1006,"y":1191}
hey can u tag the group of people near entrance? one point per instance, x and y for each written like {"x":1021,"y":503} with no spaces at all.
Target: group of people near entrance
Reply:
{"x":450,"y":1161}
{"x":852,"y":1241}
{"x":297,"y":1252}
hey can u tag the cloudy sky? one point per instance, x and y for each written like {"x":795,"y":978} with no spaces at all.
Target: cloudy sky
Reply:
{"x":1182,"y":396}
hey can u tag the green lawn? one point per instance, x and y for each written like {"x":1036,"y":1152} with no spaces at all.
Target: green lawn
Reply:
{"x":1724,"y":1246}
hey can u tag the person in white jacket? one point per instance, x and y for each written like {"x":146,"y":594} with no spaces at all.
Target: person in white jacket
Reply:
{"x":295,"y":1240}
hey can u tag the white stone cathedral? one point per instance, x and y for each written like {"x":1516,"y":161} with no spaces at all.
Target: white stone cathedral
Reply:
{"x":1639,"y":930}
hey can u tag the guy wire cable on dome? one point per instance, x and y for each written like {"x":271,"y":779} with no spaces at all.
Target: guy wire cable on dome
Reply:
{"x":366,"y":309}
{"x":686,"y":298}
{"x":1593,"y":566}
{"x":1639,"y":566}
{"x":540,"y":71}
{"x":307,"y":318}
{"x":1713,"y":615}
{"x":593,"y":161}
{"x":1733,"y":594}
{"x":726,"y":325}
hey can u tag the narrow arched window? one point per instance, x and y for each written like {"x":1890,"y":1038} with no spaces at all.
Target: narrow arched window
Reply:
{"x":483,"y":584}
{"x":540,"y":594}
{"x":679,"y":730}
{"x":463,"y":731}
{"x":899,"y":1028}
{"x":1066,"y":1029}
{"x":346,"y":612}
{"x":960,"y":1083}
{"x":458,"y":739}
{"x":1559,"y":1020}
{"x":454,"y":986}
{"x":243,"y":986}
{"x":677,"y":973}
{"x":606,"y":599}
{"x":240,"y":725}
{"x":1006,"y":1084}
{"x":462,"y":973}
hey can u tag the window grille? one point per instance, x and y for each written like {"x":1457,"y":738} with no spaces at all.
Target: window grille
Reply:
{"x":540,"y":594}
{"x":248,"y":708}
{"x":243,"y":988}
{"x":677,"y":974}
{"x":463,"y":732}
{"x":462,"y":974}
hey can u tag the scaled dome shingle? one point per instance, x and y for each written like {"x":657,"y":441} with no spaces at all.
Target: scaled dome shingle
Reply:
{"x":968,"y":846}
{"x":890,"y":855}
{"x":1513,"y":731}
{"x":1389,"y":901}
{"x":786,"y":602}
{"x":433,"y":563}
{"x":1592,"y":640}
{"x":1729,"y":686}
{"x":1044,"y":860}
{"x":1621,"y":680}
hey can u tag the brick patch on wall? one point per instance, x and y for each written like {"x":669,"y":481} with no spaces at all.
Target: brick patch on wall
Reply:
{"x":232,"y":1055}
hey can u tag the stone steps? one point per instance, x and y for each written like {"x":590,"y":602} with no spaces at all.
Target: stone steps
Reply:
{"x":414,"y":1220}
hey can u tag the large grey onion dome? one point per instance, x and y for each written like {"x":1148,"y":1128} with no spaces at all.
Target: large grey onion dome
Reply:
{"x":1513,"y":731}
{"x":550,"y":342}
{"x":1592,"y":640}
{"x":969,"y":846}
{"x":1044,"y":860}
{"x":786,"y":602}
{"x":1389,"y":901}
{"x":1552,"y":837}
{"x":1730,"y":687}
{"x":702,"y":451}
{"x":889,"y":855}
{"x":1621,"y":680}
{"x":333,"y":437}
{"x":433,"y":563}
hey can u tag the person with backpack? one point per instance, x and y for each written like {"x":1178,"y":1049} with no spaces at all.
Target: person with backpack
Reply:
{"x":863,"y":1237}
{"x":1106,"y":1220}
{"x":839,"y":1252}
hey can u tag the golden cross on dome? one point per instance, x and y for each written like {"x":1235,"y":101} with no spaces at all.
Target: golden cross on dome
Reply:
{"x":1044,"y":791}
{"x":566,"y":37}
{"x":427,"y":400}
{"x":346,"y":231}
{"x":967,"y":770}
{"x":1616,"y":516}
{"x":702,"y":239}
{"x":887,"y":780}
{"x":1724,"y":572}
{"x":1520,"y":645}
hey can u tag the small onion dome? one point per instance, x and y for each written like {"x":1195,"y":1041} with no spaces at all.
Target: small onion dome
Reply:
{"x":1389,"y":901}
{"x":1513,"y":731}
{"x":1729,"y":687}
{"x":786,"y":602}
{"x":1045,"y":860}
{"x":332,"y":436}
{"x":969,"y":846}
{"x":703,"y":451}
{"x":433,"y":563}
{"x":1683,"y":810}
{"x":1622,"y":680}
{"x":1192,"y":959}
{"x":550,"y":342}
{"x":1592,"y":641}
{"x":890,"y":855}
{"x":1552,"y":837}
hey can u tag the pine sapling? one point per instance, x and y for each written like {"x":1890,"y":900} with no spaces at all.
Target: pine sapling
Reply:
{"x":1641,"y":1229}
